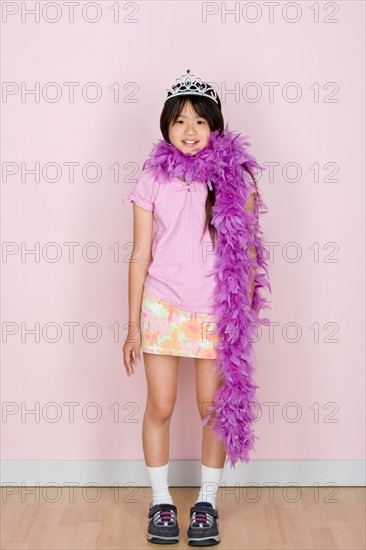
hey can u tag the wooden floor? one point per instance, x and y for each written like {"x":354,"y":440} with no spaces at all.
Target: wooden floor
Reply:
{"x":250,"y":518}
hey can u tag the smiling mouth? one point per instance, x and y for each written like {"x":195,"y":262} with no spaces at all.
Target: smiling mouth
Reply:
{"x":189,"y":141}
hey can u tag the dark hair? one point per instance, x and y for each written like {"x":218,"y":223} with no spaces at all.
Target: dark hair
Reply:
{"x":209,"y":110}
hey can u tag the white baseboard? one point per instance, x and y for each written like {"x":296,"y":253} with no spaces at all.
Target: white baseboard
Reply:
{"x":182,"y":473}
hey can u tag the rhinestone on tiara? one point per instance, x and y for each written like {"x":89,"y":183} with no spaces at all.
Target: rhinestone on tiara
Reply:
{"x":189,"y":84}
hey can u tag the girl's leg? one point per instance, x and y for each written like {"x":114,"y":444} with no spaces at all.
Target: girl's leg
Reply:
{"x":162,"y":377}
{"x":162,"y":380}
{"x":208,"y":380}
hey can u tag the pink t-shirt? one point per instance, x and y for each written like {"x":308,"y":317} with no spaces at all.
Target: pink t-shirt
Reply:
{"x":181,"y":267}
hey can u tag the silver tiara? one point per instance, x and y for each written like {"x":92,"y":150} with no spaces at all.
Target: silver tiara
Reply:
{"x":189,"y":84}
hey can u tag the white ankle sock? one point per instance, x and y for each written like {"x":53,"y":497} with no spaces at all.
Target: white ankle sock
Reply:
{"x":159,"y":484}
{"x":210,"y":481}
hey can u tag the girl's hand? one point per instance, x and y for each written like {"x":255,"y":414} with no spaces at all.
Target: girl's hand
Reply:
{"x":131,"y":352}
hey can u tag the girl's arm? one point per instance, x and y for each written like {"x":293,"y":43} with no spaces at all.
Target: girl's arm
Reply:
{"x":140,"y":260}
{"x":139,"y":264}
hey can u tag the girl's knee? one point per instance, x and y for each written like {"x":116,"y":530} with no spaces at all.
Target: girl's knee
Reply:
{"x":205,"y":407}
{"x":160,"y":412}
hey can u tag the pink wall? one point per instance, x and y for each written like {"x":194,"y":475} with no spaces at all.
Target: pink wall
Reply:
{"x":312,"y":366}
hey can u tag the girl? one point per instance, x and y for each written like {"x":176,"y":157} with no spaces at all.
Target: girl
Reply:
{"x":193,"y":292}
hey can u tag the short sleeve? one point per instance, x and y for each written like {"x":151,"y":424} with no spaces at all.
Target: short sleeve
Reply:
{"x":142,"y":191}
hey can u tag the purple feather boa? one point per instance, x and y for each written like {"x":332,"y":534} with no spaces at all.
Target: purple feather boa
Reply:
{"x":237,"y":317}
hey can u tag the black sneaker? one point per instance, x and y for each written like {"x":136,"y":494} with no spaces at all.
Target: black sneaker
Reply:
{"x":204,"y":525}
{"x":163,"y":524}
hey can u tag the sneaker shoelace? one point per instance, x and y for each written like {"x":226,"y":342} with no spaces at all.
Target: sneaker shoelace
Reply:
{"x":202,"y":519}
{"x":165,"y":516}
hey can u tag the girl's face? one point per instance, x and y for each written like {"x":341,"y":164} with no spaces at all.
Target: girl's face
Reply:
{"x":189,"y":133}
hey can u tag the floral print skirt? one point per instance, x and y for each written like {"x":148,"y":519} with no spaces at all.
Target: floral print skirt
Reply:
{"x":168,"y":330}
